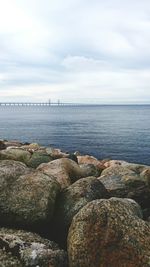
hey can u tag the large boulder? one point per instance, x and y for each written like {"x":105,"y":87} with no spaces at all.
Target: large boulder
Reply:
{"x":20,"y":248}
{"x":72,"y":199}
{"x":129,"y":181}
{"x":17,"y":154}
{"x":109,"y":233}
{"x":28,"y":201}
{"x":66,"y":171}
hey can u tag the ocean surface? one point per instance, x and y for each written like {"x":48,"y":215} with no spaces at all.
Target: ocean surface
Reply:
{"x":116,"y":132}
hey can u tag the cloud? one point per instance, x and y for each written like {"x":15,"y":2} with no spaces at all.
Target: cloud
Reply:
{"x":75,"y":50}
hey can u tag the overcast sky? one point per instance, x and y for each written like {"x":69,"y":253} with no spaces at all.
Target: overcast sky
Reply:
{"x":75,"y":50}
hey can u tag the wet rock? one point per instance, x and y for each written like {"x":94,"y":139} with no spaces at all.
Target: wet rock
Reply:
{"x":28,"y":202}
{"x":109,"y":233}
{"x":17,"y":154}
{"x":20,"y":248}
{"x":72,"y":199}
{"x":128,"y":181}
{"x":37,"y":158}
{"x":66,"y":171}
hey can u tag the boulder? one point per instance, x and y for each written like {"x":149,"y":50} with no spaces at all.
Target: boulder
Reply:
{"x":20,"y":248}
{"x":56,"y":153}
{"x":90,"y":169}
{"x":86,"y":159}
{"x":28,"y":202}
{"x":109,"y":233}
{"x":31,"y":147}
{"x":113,"y":163}
{"x":129,"y":181}
{"x":66,"y":171}
{"x":37,"y":158}
{"x":72,"y":199}
{"x":17,"y":154}
{"x":10,"y":171}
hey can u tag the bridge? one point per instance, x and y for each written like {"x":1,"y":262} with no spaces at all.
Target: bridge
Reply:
{"x":39,"y":104}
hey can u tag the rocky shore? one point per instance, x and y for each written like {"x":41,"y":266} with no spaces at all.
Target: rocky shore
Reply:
{"x":70,"y":210}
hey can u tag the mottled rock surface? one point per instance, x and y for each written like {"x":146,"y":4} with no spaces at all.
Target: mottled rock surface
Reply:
{"x":90,"y":169}
{"x":17,"y":154}
{"x":129,"y":181}
{"x":72,"y":199}
{"x":28,"y":201}
{"x":20,"y":249}
{"x":37,"y":158}
{"x":109,"y":233}
{"x":10,"y":170}
{"x":66,"y":171}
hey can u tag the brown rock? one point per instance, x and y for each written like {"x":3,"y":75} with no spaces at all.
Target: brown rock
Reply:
{"x":109,"y":233}
{"x":72,"y":199}
{"x":66,"y":171}
{"x":86,"y":159}
{"x":91,"y":160}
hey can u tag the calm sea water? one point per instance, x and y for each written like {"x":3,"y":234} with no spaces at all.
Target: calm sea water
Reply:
{"x":117,"y":132}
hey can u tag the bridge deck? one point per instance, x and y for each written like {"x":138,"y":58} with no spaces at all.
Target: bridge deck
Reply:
{"x":37,"y":104}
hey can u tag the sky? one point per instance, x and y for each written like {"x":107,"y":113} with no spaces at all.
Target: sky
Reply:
{"x":79,"y":51}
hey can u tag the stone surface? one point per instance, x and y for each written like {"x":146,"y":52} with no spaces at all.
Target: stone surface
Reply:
{"x":109,"y":233}
{"x":17,"y":154}
{"x":129,"y":181}
{"x":66,"y":171}
{"x":28,"y":201}
{"x":86,"y":159}
{"x":56,"y":153}
{"x":113,"y":163}
{"x":90,"y":169}
{"x":20,"y":249}
{"x":10,"y":171}
{"x":72,"y":199}
{"x":37,"y":158}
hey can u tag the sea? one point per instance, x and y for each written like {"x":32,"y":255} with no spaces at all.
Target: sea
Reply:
{"x":104,"y":131}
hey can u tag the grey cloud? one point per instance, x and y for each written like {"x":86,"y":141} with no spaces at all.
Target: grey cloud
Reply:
{"x":76,"y":46}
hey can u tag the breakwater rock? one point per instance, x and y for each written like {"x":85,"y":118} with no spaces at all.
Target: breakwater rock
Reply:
{"x":70,"y":210}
